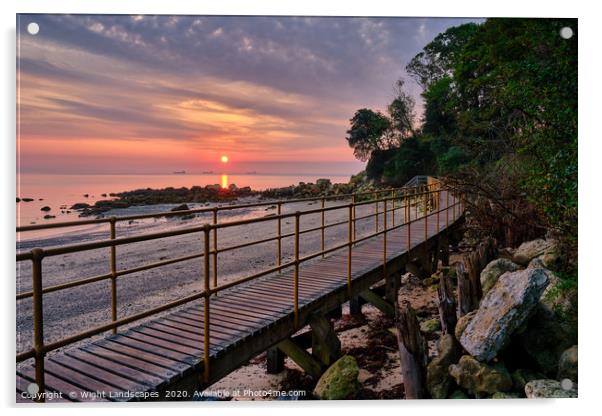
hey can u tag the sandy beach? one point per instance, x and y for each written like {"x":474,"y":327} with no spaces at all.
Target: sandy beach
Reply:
{"x":68,"y":312}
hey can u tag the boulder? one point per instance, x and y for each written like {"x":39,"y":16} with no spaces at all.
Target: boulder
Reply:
{"x":544,"y":340}
{"x":430,"y":325}
{"x":182,"y":207}
{"x":26,"y":199}
{"x":494,"y":270}
{"x":551,"y":257}
{"x":567,"y":365}
{"x":46,"y":208}
{"x":463,"y":323}
{"x":479,"y":378}
{"x":80,"y":205}
{"x":438,"y":380}
{"x":548,"y":389}
{"x":340,"y":381}
{"x":503,"y":310}
{"x":506,"y":253}
{"x":529,"y":250}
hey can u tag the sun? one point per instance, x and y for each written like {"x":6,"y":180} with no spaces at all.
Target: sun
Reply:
{"x":224,"y":159}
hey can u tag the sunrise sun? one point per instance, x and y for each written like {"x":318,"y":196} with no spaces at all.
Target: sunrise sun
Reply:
{"x":224,"y":159}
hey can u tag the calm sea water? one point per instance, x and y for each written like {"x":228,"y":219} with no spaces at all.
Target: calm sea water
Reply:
{"x":58,"y":191}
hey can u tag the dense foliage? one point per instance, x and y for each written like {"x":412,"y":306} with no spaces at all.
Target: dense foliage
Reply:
{"x":500,"y":120}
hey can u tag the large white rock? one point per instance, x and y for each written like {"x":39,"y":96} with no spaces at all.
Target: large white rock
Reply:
{"x":527,"y":251}
{"x":550,"y":389}
{"x":494,"y":270}
{"x":503,"y":310}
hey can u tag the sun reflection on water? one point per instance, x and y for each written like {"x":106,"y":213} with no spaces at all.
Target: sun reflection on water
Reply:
{"x":224,"y":181}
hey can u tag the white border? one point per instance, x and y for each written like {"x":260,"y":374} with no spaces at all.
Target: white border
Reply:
{"x":589,"y":144}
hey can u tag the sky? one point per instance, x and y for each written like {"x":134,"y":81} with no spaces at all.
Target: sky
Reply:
{"x":156,"y":94}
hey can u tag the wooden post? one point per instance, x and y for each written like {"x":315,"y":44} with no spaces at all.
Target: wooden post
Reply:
{"x":412,"y":352}
{"x":206,"y":311}
{"x":37,"y":255}
{"x":355,"y":305}
{"x":296,"y":275}
{"x":215,"y":248}
{"x":275,"y":360}
{"x":447,"y":304}
{"x":322,"y":226}
{"x":299,"y":355}
{"x":376,"y":211}
{"x":474,"y":278}
{"x":325,"y":345}
{"x":463,"y":287}
{"x":279,"y":236}
{"x":113,"y":274}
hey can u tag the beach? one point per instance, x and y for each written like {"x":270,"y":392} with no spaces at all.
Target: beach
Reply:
{"x":70,"y":311}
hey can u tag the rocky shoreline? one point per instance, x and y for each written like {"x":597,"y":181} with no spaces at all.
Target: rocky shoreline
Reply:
{"x":516,"y":343}
{"x":212,"y":194}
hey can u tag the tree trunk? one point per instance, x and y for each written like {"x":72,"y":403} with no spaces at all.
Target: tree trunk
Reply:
{"x":447,"y":304}
{"x":412,"y":352}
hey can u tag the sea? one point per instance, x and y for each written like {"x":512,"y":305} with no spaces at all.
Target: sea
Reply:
{"x":60,"y":192}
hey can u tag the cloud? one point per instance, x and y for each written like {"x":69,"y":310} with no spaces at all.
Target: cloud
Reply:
{"x":265,"y":84}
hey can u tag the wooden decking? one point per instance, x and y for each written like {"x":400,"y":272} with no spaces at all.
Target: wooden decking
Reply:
{"x":166,"y":354}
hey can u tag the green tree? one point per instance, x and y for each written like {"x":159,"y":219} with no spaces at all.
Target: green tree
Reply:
{"x":401,"y":111}
{"x":369,"y":131}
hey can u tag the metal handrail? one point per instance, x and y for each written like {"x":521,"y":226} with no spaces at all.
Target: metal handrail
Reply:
{"x":420,"y":195}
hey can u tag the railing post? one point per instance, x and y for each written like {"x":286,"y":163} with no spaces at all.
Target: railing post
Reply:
{"x":113,"y":220}
{"x":38,"y":320}
{"x":206,"y":314}
{"x":416,"y":202}
{"x":322,"y":228}
{"x":393,"y":210}
{"x":426,"y":217}
{"x":447,"y":208}
{"x":349,"y":245}
{"x":385,"y":240}
{"x":376,"y":210}
{"x":215,"y":247}
{"x":353,"y":201}
{"x":454,"y":209}
{"x":279,"y":236}
{"x":409,"y":237}
{"x":296,"y":281}
{"x":437,"y":209}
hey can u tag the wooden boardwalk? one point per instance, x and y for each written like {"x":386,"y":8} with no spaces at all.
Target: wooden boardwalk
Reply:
{"x":150,"y":360}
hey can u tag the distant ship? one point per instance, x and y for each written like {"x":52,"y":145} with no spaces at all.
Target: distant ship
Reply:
{"x":208,"y":172}
{"x":251,"y":173}
{"x":180,"y":172}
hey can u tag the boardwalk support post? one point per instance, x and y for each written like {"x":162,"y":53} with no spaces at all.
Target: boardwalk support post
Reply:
{"x":325,"y":345}
{"x":355,"y":305}
{"x":381,"y":304}
{"x":300,"y":356}
{"x":275,"y":360}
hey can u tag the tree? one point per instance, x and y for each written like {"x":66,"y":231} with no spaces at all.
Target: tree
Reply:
{"x":369,"y":132}
{"x":438,"y":58}
{"x":401,"y":111}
